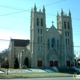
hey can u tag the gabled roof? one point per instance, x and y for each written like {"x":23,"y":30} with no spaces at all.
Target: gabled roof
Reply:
{"x":20,"y":42}
{"x":52,"y":29}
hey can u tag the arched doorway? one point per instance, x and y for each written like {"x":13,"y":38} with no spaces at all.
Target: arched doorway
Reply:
{"x":52,"y":57}
{"x":26,"y":62}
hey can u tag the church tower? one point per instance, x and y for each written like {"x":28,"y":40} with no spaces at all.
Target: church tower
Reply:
{"x":64,"y":26}
{"x":37,"y":37}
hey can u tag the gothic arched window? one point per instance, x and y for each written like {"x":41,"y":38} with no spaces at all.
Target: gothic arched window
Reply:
{"x":38,"y":39}
{"x":41,"y":31}
{"x":48,"y":44}
{"x":58,"y":45}
{"x":37,"y":21}
{"x":64,"y":25}
{"x":66,"y":41}
{"x":41,"y":22}
{"x":41,"y":39}
{"x":53,"y":42}
{"x":68,"y":25}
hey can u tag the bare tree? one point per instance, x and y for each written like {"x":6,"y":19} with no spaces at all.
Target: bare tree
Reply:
{"x":3,"y":57}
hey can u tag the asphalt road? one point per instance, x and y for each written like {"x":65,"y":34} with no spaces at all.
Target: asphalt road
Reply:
{"x":54,"y":78}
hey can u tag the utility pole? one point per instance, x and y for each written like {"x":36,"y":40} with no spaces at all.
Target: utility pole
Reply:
{"x":7,"y":66}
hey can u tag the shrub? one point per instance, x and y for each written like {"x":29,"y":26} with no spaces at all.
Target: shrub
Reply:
{"x":16,"y":63}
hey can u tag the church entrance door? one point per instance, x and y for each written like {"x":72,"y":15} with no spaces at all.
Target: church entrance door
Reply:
{"x":53,"y":63}
{"x":40,"y":63}
{"x":68,"y":63}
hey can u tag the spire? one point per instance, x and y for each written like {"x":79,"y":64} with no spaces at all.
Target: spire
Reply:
{"x":52,"y":23}
{"x":61,"y":11}
{"x":43,"y":8}
{"x":35,"y":7}
{"x":69,"y":13}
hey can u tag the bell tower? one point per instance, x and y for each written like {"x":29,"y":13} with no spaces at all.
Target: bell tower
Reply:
{"x":37,"y":37}
{"x":64,"y":25}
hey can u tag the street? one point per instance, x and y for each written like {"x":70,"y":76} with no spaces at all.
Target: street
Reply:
{"x":53,"y":78}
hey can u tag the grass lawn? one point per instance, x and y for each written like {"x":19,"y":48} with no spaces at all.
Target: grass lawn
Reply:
{"x":36,"y":74}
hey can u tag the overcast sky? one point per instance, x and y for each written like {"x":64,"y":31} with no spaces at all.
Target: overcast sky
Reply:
{"x":15,"y":18}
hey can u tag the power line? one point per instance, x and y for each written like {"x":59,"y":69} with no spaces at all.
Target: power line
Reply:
{"x":26,"y":28}
{"x":9,"y":7}
{"x":25,"y":31}
{"x":30,"y":9}
{"x":14,"y":13}
{"x":53,"y":3}
{"x":26,"y":10}
{"x":44,"y":43}
{"x":55,"y":15}
{"x":21,"y":29}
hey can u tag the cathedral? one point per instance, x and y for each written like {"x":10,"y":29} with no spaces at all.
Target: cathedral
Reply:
{"x":52,"y":46}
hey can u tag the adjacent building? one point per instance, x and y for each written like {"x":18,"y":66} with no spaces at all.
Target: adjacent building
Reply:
{"x":16,"y":48}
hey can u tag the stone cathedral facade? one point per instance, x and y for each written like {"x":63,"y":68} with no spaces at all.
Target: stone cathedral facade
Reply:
{"x":52,"y":46}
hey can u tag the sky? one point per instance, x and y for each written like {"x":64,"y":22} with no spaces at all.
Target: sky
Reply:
{"x":15,"y":18}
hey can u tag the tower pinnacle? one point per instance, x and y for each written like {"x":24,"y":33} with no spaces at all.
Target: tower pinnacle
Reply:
{"x":35,"y":7}
{"x":69,"y":13}
{"x":52,"y":23}
{"x":61,"y":11}
{"x":43,"y":8}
